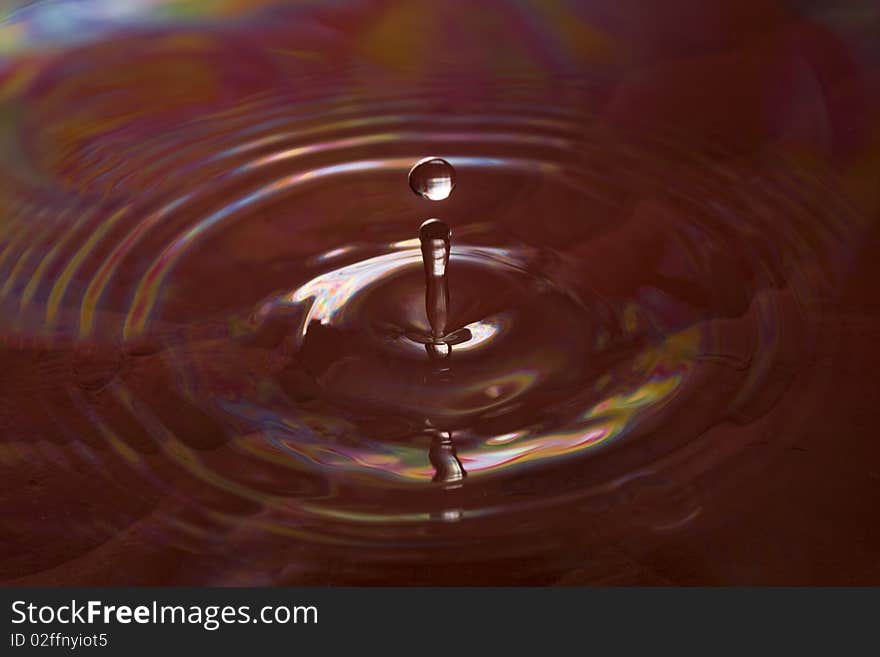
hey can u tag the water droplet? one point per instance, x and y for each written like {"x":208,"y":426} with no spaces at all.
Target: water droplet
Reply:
{"x":432,"y":178}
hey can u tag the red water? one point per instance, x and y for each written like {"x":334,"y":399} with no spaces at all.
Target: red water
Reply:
{"x":664,"y":248}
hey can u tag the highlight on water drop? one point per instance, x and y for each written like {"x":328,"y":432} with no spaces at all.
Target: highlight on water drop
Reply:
{"x":432,"y":178}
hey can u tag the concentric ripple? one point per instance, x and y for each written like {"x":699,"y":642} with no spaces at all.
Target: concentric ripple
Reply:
{"x":222,"y":313}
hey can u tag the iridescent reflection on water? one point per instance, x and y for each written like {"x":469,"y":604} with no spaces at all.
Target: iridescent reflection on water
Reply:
{"x":212,"y":288}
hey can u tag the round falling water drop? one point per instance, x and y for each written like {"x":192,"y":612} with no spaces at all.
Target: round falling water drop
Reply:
{"x":432,"y":178}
